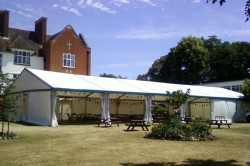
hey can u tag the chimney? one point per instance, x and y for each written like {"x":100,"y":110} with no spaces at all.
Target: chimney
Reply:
{"x":40,"y":30}
{"x":4,"y":23}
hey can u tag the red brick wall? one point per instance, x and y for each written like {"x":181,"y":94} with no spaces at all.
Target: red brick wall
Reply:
{"x":54,"y":53}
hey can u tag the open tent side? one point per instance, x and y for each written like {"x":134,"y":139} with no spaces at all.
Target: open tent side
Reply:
{"x":45,"y":94}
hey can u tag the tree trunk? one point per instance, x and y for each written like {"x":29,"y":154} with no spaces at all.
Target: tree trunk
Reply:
{"x":3,"y":115}
{"x":2,"y":124}
{"x":8,"y":127}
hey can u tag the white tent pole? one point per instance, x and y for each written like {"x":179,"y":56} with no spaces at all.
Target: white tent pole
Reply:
{"x":212,"y":109}
{"x":105,"y":105}
{"x":183,"y":109}
{"x":148,"y":115}
{"x":103,"y":116}
{"x":53,"y":109}
{"x":85,"y":106}
{"x":60,"y":111}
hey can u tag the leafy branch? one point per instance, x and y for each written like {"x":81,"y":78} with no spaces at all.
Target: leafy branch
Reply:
{"x":247,"y":7}
{"x":177,"y":98}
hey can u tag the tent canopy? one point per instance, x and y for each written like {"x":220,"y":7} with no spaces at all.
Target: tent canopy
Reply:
{"x":91,"y":86}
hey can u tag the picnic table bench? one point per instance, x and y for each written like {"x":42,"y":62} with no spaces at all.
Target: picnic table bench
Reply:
{"x":115,"y":121}
{"x":72,"y":116}
{"x":137,"y":123}
{"x":109,"y":122}
{"x":158,"y":119}
{"x":220,"y":120}
{"x":186,"y":119}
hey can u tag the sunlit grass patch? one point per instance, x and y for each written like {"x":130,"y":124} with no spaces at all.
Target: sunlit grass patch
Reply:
{"x":91,"y":145}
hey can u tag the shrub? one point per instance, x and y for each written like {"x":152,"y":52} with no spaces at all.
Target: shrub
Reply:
{"x":157,"y":110}
{"x":7,"y":136}
{"x":170,"y":129}
{"x":200,"y":130}
{"x":174,"y":129}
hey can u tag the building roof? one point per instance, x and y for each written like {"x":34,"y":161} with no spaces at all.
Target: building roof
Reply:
{"x":127,"y":88}
{"x":23,"y":39}
{"x":80,"y":36}
{"x":3,"y":45}
{"x":225,"y":83}
{"x":19,"y":39}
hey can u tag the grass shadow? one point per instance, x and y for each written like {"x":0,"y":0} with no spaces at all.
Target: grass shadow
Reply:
{"x":27,"y":123}
{"x":101,"y":126}
{"x":77,"y":122}
{"x":188,"y":162}
{"x":130,"y":130}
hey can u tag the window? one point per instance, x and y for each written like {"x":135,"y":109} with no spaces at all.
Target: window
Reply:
{"x":69,"y":60}
{"x":21,"y":57}
{"x":237,"y":88}
{"x":1,"y":63}
{"x":15,"y":75}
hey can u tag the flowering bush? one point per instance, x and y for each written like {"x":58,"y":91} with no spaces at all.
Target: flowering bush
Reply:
{"x":211,"y":137}
{"x":170,"y":129}
{"x":6,"y":136}
{"x":199,"y":130}
{"x":174,"y":129}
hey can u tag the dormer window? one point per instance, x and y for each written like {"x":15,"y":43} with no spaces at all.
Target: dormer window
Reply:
{"x":68,"y":60}
{"x":21,"y":58}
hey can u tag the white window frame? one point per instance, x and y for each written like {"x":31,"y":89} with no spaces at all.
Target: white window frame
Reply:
{"x":68,"y":60}
{"x":22,"y":57}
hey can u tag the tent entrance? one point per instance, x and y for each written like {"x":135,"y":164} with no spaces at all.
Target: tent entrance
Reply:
{"x":201,"y":108}
{"x":65,"y":108}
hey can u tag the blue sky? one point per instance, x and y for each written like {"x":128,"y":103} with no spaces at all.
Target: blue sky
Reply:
{"x":127,"y":36}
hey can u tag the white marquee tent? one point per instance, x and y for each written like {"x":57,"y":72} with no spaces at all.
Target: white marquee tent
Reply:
{"x":40,"y":92}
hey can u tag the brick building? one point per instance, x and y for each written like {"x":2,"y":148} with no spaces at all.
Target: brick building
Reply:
{"x":64,"y":51}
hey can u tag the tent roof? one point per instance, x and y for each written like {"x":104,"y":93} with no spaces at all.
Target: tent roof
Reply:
{"x":81,"y":83}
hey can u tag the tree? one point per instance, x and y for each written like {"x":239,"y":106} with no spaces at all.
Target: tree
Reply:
{"x":112,"y":76}
{"x":247,"y":7}
{"x":246,"y":89}
{"x":228,"y":61}
{"x":191,"y":60}
{"x":155,"y":72}
{"x":212,"y":42}
{"x":221,"y":58}
{"x":198,"y":60}
{"x":177,"y":98}
{"x":8,"y":102}
{"x":143,"y":77}
{"x":187,"y":63}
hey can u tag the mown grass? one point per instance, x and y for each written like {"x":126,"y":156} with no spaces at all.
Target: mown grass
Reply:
{"x":91,"y":145}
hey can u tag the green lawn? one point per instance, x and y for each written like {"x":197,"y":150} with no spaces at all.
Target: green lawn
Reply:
{"x":87,"y":144}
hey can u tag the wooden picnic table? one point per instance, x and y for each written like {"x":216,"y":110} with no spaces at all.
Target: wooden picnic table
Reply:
{"x":137,"y":123}
{"x":219,"y":122}
{"x":158,"y":119}
{"x":72,"y":116}
{"x":186,"y":119}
